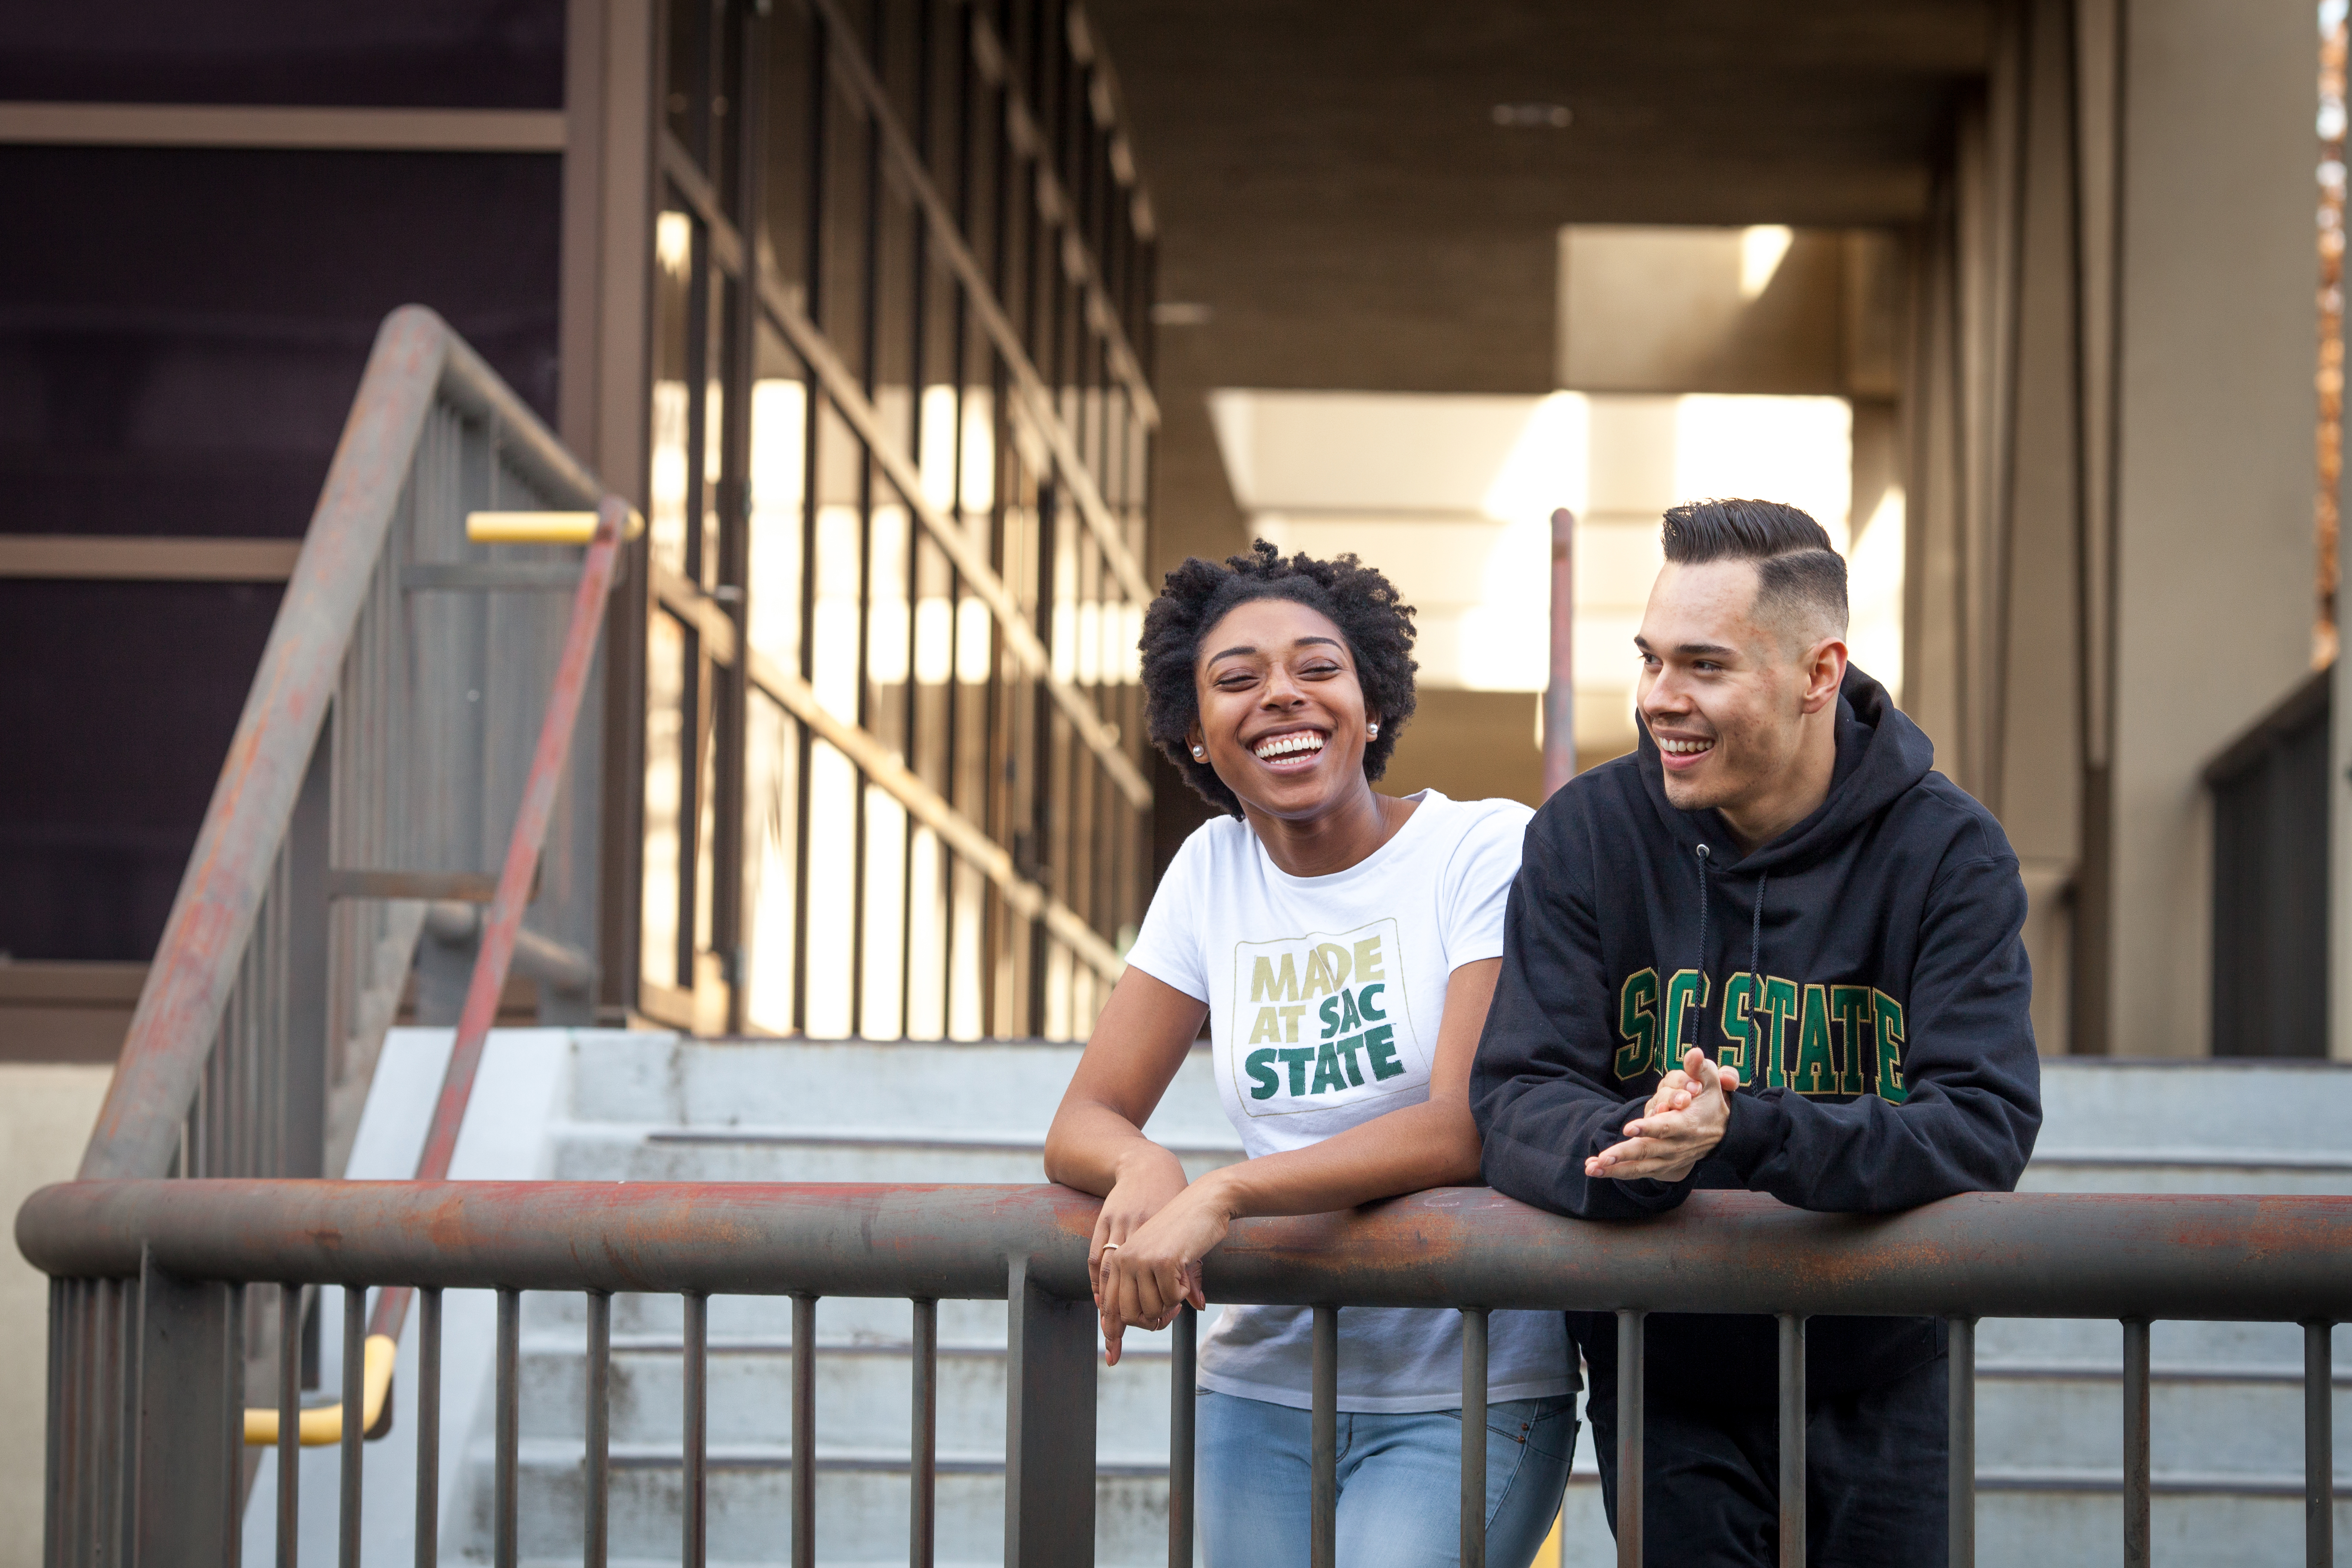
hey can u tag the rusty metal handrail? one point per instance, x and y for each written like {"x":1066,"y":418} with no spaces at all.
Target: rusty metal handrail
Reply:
{"x":1990,"y":1255}
{"x":181,"y":1244}
{"x":416,"y":359}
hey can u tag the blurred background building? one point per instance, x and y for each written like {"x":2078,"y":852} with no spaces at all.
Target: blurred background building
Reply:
{"x":927,"y":333}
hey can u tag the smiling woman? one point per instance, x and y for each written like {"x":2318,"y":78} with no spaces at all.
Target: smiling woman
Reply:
{"x":1341,"y":944}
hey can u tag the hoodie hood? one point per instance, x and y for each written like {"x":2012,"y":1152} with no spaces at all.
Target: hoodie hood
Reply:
{"x":1881,"y":756}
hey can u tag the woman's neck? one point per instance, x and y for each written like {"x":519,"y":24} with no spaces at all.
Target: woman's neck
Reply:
{"x":1330,"y":841}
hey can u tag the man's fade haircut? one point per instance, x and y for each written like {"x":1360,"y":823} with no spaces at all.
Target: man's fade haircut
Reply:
{"x":1359,"y":600}
{"x":1800,"y":577}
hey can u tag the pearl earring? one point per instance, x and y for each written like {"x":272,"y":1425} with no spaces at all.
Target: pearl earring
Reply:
{"x":1373,"y":731}
{"x":1200,"y":754}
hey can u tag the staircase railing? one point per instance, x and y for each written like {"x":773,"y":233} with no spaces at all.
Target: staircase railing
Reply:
{"x":374,"y":772}
{"x":191,"y":1249}
{"x":414,"y":721}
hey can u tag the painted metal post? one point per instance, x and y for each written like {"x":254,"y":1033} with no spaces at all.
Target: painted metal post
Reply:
{"x":1559,"y":693}
{"x":1049,"y":1427}
{"x":183,"y":1436}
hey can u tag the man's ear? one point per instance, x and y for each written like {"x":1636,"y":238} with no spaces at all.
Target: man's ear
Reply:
{"x":1824,"y":670}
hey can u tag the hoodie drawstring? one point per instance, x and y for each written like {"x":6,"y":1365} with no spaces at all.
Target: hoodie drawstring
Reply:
{"x":1755,"y":929}
{"x":1756,"y":934}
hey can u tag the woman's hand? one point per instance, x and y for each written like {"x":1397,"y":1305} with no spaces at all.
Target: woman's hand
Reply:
{"x":1147,"y":1181}
{"x":1142,"y":1281}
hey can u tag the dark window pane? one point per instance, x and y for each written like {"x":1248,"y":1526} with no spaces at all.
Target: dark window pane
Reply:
{"x":482,"y":53}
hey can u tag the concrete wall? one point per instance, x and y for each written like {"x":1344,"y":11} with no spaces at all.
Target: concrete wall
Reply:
{"x":46,"y":1109}
{"x":2214,"y":580}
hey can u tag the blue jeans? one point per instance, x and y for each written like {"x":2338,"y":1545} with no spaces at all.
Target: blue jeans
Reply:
{"x":1399,"y":1483}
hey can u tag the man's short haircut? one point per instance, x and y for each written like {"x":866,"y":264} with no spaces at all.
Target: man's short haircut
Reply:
{"x":1801,"y":578}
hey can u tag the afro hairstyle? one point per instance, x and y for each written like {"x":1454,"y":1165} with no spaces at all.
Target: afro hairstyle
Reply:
{"x":1196,"y":595}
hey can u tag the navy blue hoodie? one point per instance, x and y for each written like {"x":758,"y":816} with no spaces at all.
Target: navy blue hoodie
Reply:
{"x":1863,"y":971}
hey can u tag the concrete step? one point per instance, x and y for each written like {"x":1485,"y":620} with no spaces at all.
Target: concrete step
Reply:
{"x":603,"y":1152}
{"x":907,"y":1089}
{"x":864,"y":1397}
{"x":861,"y":1505}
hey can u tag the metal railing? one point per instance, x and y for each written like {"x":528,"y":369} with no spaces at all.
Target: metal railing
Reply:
{"x":376,"y":769}
{"x":169,"y":1260}
{"x":386,"y":758}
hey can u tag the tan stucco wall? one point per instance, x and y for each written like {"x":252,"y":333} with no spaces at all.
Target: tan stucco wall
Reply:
{"x":46,"y":1113}
{"x":2214,"y":552}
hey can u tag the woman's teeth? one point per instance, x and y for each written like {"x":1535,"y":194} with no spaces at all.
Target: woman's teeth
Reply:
{"x":1685,"y":748}
{"x":1289,"y":746}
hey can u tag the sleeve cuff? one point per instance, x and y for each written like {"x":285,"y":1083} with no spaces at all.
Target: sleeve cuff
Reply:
{"x":1752,"y":1134}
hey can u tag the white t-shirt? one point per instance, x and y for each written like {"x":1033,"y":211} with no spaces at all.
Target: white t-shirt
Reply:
{"x":1324,"y":995}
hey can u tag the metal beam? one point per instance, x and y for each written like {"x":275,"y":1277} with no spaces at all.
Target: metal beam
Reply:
{"x":94,"y":558}
{"x":285,"y":128}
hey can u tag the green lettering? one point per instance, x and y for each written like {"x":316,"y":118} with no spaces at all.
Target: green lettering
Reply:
{"x":1779,"y":1013}
{"x":1263,"y":1080}
{"x":1685,"y":991}
{"x":1364,"y":1002}
{"x":1379,"y":1045}
{"x":1857,"y":1035}
{"x":1296,"y":1061}
{"x":1329,"y":1013}
{"x":1637,"y":1023}
{"x":1349,"y":1017}
{"x":1347,"y":1047}
{"x":1891,"y":1087}
{"x":1815,"y":1071}
{"x":1266,"y":987}
{"x":1739,"y":1029}
{"x":1328,"y":1076}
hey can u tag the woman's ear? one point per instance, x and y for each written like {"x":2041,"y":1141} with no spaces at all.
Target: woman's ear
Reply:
{"x":1195,"y":744}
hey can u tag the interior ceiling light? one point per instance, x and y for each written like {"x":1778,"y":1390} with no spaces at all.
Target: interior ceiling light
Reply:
{"x":1532,"y":115}
{"x":1182,"y":314}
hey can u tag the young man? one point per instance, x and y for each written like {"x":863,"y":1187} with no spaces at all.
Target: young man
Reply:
{"x":1770,"y":950}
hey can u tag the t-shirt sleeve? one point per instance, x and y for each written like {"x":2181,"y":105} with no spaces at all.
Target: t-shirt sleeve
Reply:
{"x":1477,"y":884}
{"x":1169,"y":947}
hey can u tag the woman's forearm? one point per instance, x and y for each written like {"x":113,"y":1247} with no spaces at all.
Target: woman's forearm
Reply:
{"x":1091,"y":1146}
{"x":1434,"y":1144}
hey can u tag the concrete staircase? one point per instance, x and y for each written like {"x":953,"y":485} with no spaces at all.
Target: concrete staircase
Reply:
{"x":2226,"y":1403}
{"x":650,"y":1107}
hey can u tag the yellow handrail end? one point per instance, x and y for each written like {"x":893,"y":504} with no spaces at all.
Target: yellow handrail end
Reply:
{"x":323,"y":1425}
{"x":540,"y":527}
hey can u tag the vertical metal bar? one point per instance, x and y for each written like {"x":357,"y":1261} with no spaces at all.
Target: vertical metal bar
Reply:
{"x":428,"y":1427}
{"x":2135,"y":1512}
{"x":507,"y":1441}
{"x":695,"y":1510}
{"x":354,"y":1421}
{"x":289,"y":1422}
{"x":598,"y":1459}
{"x":232,"y":1414}
{"x":178,"y":1444}
{"x":1049,"y":1427}
{"x":57,"y":1470}
{"x":1792,"y":1440}
{"x":1324,"y":1431}
{"x":1560,"y":692}
{"x":1182,"y":1400}
{"x":922,"y":1523}
{"x":1961,"y":1487}
{"x":129,"y":1297}
{"x":1630,"y":1396}
{"x":2318,"y":1445}
{"x":1473,"y":1437}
